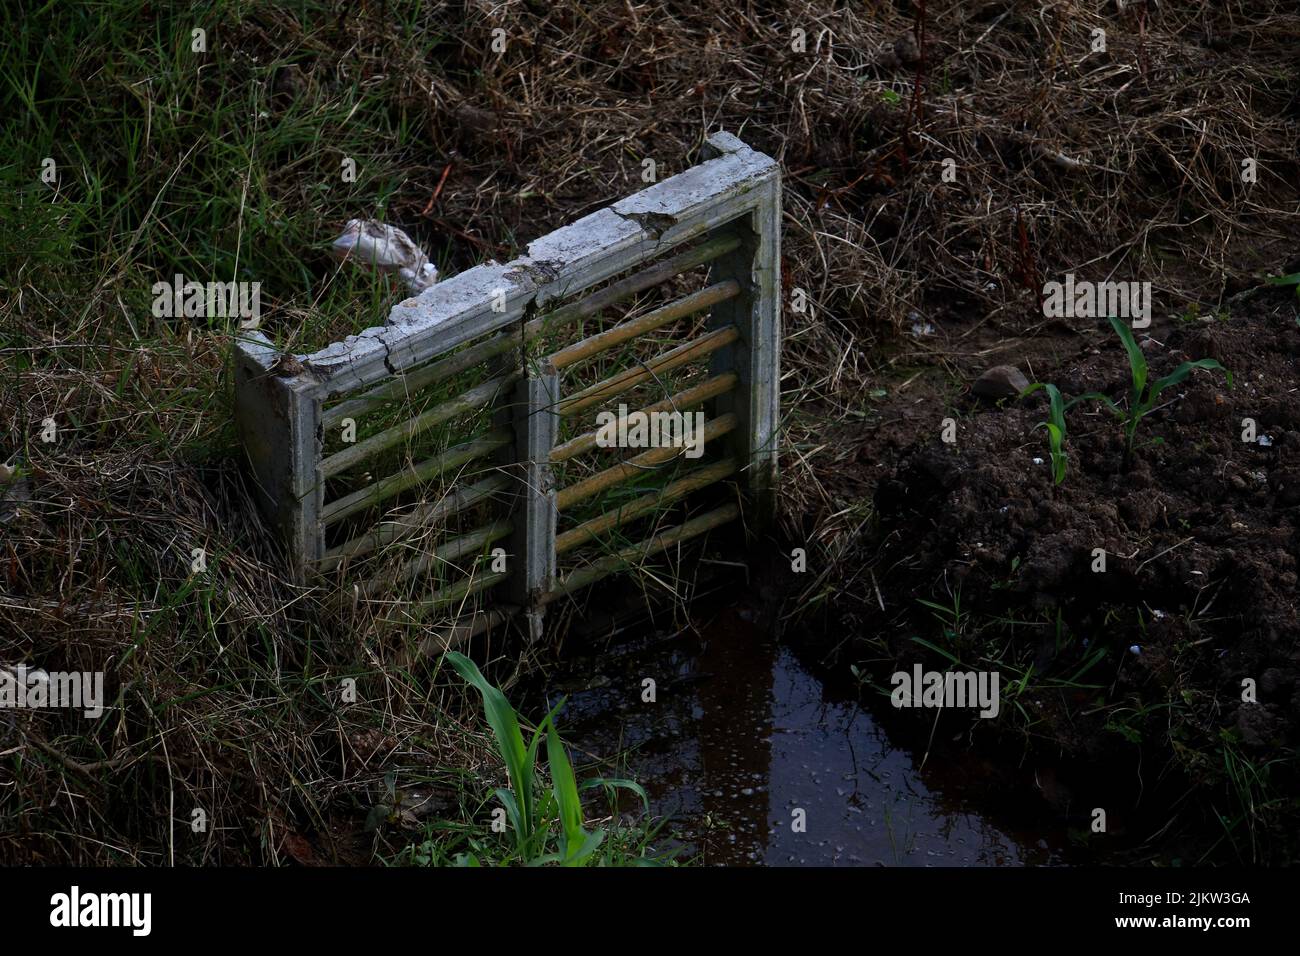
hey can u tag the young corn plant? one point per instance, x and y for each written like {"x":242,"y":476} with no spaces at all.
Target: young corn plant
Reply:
{"x":1055,"y":424}
{"x":548,"y":826}
{"x":1145,"y":394}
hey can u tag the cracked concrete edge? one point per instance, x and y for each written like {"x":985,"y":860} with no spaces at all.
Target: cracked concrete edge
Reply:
{"x":563,"y":262}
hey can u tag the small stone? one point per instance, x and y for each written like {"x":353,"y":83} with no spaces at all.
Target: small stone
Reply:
{"x":907,"y":50}
{"x":1001,"y":381}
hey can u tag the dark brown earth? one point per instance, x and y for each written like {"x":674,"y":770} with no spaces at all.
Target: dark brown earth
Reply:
{"x":1141,"y":665}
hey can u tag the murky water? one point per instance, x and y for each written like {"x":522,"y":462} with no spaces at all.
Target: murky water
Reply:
{"x":758,"y":761}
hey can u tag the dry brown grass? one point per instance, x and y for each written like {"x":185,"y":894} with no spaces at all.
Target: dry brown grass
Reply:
{"x":1121,"y":163}
{"x":225,"y":685}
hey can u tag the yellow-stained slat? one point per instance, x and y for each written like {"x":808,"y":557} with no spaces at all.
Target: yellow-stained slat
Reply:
{"x":625,"y":332}
{"x":615,"y":385}
{"x":415,"y":520}
{"x":458,"y":547}
{"x":602,"y":568}
{"x":426,"y":470}
{"x":718,"y":385}
{"x":477,"y":397}
{"x":567,"y":497}
{"x":624,"y":514}
{"x":457,"y":592}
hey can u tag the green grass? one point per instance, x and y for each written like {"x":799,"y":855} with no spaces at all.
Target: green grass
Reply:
{"x":171,"y":161}
{"x":225,"y":685}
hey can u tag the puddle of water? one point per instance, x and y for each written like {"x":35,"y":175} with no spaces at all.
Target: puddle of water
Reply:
{"x":743,"y":742}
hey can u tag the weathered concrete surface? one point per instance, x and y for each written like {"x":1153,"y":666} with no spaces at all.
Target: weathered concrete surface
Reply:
{"x":559,"y":264}
{"x":280,"y":396}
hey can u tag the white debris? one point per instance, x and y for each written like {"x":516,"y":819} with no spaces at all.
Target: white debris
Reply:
{"x":388,"y":249}
{"x":1038,"y":461}
{"x":1265,"y":440}
{"x":919,"y":325}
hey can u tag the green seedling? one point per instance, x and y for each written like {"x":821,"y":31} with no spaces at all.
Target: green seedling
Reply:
{"x":548,"y":826}
{"x":1145,"y":394}
{"x":1292,"y":280}
{"x":1055,"y":424}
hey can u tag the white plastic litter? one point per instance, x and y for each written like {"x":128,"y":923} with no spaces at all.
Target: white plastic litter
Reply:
{"x":388,"y":249}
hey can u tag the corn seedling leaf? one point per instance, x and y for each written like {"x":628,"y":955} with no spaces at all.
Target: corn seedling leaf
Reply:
{"x":1180,"y":373}
{"x":507,"y":799}
{"x":510,"y":742}
{"x":1055,"y":426}
{"x":618,"y":783}
{"x":1137,"y":362}
{"x":573,"y":838}
{"x":1292,"y":280}
{"x":1094,"y":397}
{"x":1055,"y":436}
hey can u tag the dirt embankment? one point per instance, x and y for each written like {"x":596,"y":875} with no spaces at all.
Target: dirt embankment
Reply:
{"x":1185,"y":649}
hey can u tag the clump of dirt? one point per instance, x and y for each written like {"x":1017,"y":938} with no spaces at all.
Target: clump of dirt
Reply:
{"x":1155,"y":605}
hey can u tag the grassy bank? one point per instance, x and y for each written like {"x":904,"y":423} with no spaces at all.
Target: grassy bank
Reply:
{"x":227,"y":685}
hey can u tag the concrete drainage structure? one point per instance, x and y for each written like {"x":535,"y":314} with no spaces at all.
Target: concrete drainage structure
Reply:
{"x":502,"y":337}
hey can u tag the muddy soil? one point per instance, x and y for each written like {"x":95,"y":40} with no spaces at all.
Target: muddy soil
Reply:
{"x":1147,"y":667}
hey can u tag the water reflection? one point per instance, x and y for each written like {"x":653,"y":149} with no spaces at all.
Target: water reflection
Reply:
{"x":759,"y":763}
